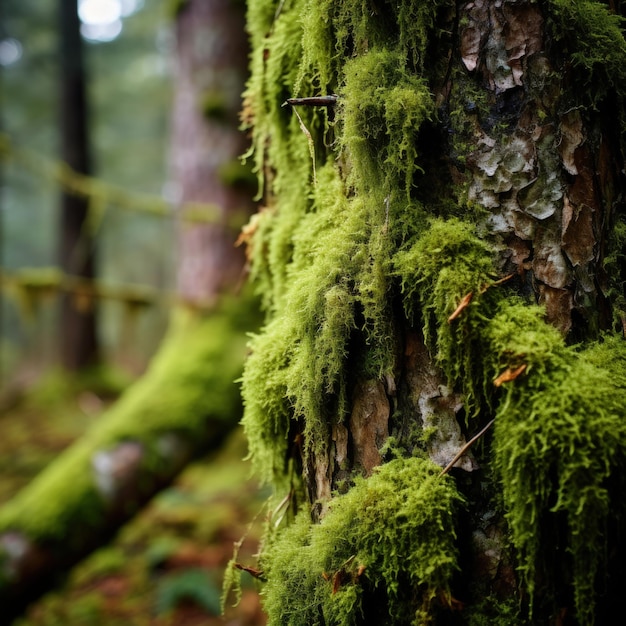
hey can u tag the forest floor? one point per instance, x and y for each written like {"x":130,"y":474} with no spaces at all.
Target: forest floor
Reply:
{"x":166,"y":566}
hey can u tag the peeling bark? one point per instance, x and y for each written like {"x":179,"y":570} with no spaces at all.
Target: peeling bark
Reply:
{"x":435,"y":406}
{"x":534,"y":165}
{"x":369,"y":424}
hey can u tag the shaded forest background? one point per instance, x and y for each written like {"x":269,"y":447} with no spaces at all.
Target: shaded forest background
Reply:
{"x":166,"y":566}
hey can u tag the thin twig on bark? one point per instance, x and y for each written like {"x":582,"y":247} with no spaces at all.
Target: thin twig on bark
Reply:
{"x":465,"y":448}
{"x":315,"y":101}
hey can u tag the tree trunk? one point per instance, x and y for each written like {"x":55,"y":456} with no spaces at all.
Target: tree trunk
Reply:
{"x":206,"y":144}
{"x":78,"y":327}
{"x":187,"y":401}
{"x":434,"y":244}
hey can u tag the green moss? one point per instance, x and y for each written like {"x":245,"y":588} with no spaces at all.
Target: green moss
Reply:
{"x":615,"y":268}
{"x":339,"y":258}
{"x":491,"y":611}
{"x":590,"y":37}
{"x":443,"y":265}
{"x":392,"y":534}
{"x":384,"y":106}
{"x":304,"y":350}
{"x":560,"y":450}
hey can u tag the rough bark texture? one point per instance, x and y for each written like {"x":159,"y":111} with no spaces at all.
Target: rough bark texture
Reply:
{"x":548,"y":178}
{"x":206,"y":144}
{"x":463,"y":131}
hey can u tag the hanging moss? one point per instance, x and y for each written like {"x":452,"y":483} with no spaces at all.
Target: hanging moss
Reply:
{"x":384,"y":107}
{"x":560,"y":449}
{"x":392,"y":535}
{"x":589,"y":36}
{"x":347,"y":243}
{"x":333,"y":272}
{"x":445,"y":264}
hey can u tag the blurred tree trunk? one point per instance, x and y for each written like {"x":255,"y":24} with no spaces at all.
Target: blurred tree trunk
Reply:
{"x":210,"y":70}
{"x":78,"y":323}
{"x":471,"y":172}
{"x":188,"y":400}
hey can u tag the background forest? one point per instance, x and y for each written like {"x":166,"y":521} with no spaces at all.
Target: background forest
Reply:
{"x":166,"y":566}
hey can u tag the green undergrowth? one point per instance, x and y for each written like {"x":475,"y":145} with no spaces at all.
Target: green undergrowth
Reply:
{"x":188,"y":391}
{"x":164,"y":567}
{"x":348,"y":252}
{"x":40,"y":422}
{"x":391,"y":535}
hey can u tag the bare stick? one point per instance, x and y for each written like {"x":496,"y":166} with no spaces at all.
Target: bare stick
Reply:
{"x":315,"y":101}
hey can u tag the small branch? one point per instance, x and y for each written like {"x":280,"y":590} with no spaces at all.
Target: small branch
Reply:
{"x":501,"y":281}
{"x":465,"y":448}
{"x":465,"y":301}
{"x":509,"y":375}
{"x":315,"y":101}
{"x":255,"y":573}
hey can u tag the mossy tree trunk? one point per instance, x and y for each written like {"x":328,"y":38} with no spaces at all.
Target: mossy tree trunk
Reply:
{"x":440,"y":250}
{"x":187,"y":401}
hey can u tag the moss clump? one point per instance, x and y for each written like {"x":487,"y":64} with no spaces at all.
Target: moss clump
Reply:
{"x":382,"y":123}
{"x":590,"y":37}
{"x":560,"y":452}
{"x":337,"y":289}
{"x":391,"y":535}
{"x":446,"y":263}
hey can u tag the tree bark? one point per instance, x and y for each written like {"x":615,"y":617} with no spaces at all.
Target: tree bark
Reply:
{"x":206,"y":145}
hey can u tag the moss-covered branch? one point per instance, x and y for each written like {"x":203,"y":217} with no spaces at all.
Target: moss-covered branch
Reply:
{"x":184,"y":404}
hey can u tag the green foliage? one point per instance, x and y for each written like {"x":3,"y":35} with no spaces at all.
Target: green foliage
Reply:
{"x":192,"y":585}
{"x":391,"y":534}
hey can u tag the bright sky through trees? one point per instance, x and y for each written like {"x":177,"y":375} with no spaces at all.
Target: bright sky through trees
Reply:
{"x":102,"y":19}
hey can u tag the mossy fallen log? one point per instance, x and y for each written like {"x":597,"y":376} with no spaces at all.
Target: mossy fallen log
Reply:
{"x":185,"y":404}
